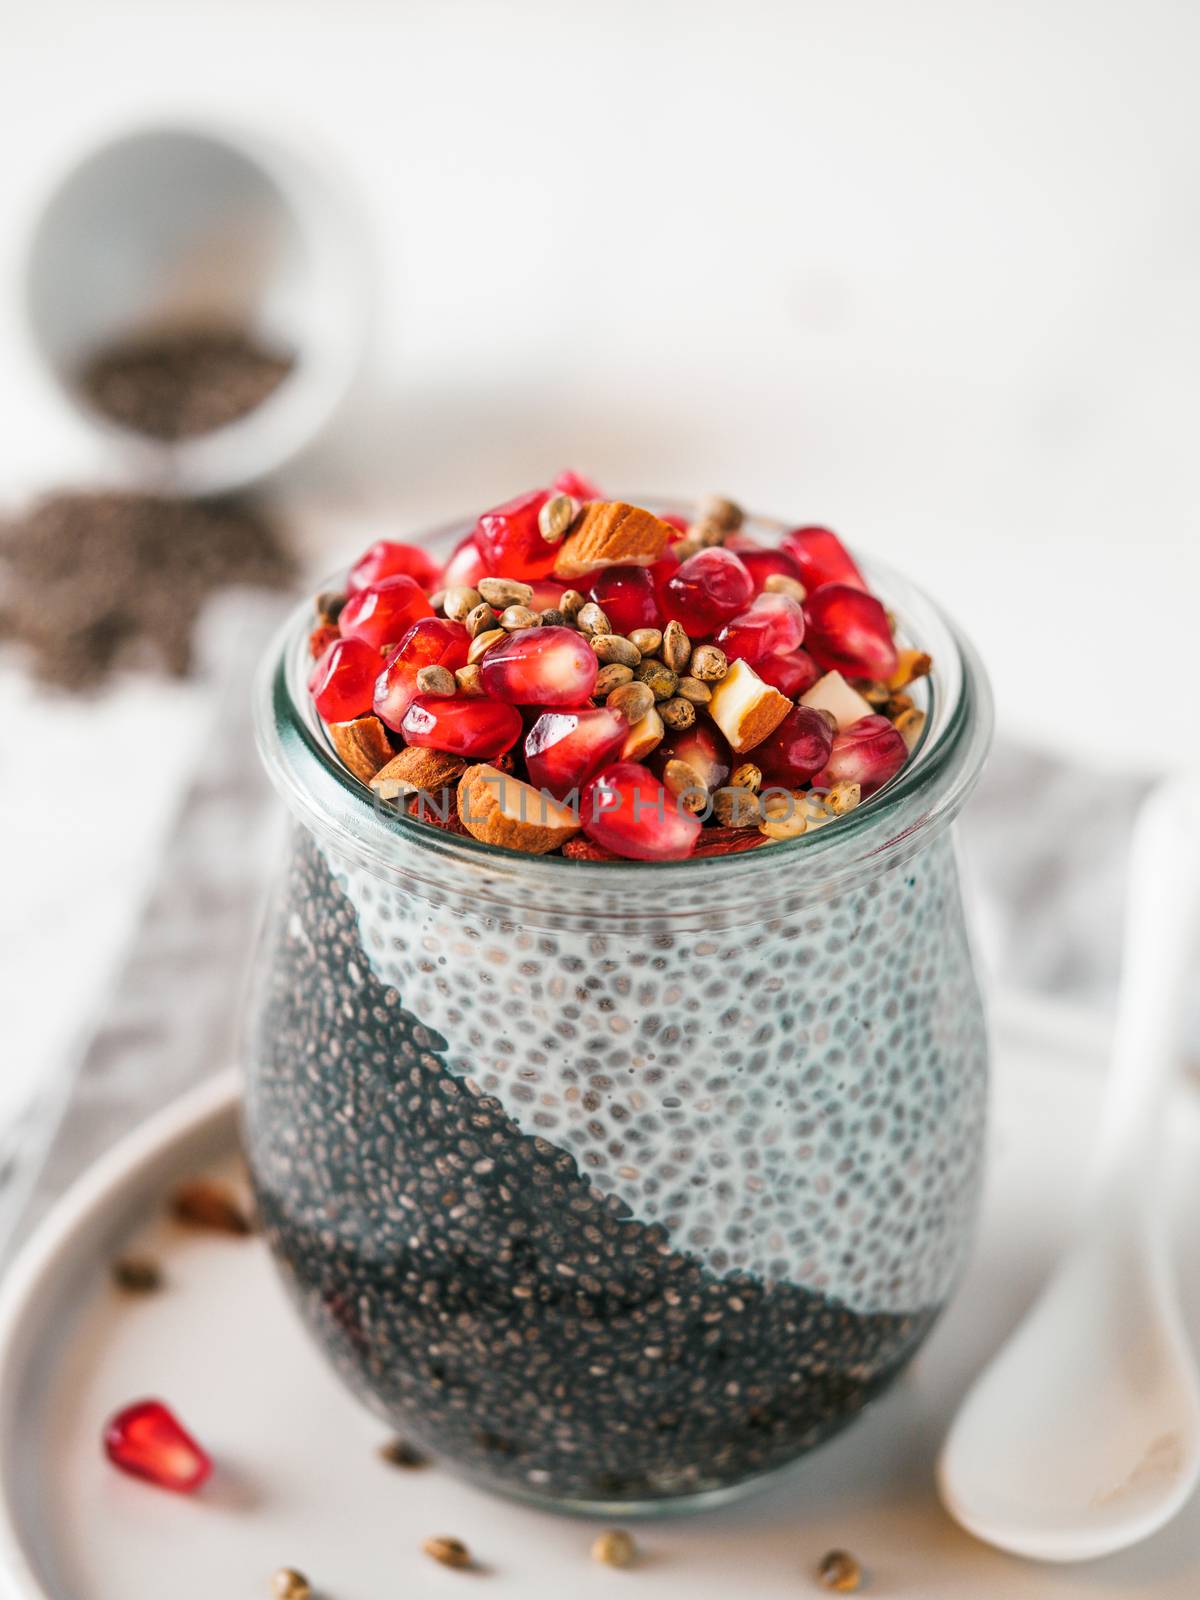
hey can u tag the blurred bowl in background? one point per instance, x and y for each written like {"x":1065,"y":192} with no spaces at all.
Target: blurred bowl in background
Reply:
{"x":179,"y":227}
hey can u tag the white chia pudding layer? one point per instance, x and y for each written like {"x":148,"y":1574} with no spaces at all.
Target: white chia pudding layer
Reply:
{"x":804,"y":1102}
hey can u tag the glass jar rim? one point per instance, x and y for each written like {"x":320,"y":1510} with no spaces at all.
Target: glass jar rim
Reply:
{"x":886,"y":829}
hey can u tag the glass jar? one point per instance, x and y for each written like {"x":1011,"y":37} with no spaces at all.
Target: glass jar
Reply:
{"x":619,"y":1185}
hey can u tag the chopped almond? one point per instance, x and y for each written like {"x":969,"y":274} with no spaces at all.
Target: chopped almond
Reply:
{"x":645,"y":735}
{"x":833,"y":694}
{"x":416,"y":769}
{"x":609,"y":533}
{"x":910,"y":665}
{"x":745,"y":708}
{"x":363,"y":746}
{"x":497,"y":808}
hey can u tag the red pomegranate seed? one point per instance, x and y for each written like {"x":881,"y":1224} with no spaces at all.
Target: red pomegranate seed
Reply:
{"x":627,"y":597}
{"x":343,"y":680}
{"x":728,"y":841}
{"x":564,"y":748}
{"x":793,"y":675}
{"x":706,"y":590}
{"x":822,"y":558}
{"x":577,"y":486}
{"x":462,"y":726}
{"x":321,"y":638}
{"x":704,"y":749}
{"x":146,"y":1440}
{"x":387,"y":559}
{"x":382,"y":613}
{"x":800,"y":746}
{"x":511,"y":542}
{"x":762,"y":564}
{"x":772,"y":625}
{"x":465,"y":567}
{"x":848,"y":629}
{"x":547,"y":594}
{"x":626,"y":809}
{"x":540,"y":667}
{"x":674,"y":520}
{"x":868,"y":752}
{"x":430,"y":642}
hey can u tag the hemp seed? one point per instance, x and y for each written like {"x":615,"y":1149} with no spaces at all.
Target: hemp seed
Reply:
{"x":450,"y":1552}
{"x":747,"y":776}
{"x":571,"y":603}
{"x":556,"y":516}
{"x":658,"y":677}
{"x":590,"y":618}
{"x":288,"y":1584}
{"x":840,"y":1572}
{"x":482,"y":643}
{"x":723,"y":513}
{"x":612,"y":647}
{"x":676,"y":647}
{"x":513,"y":618}
{"x":648,"y":640}
{"x":469,"y":680}
{"x":610,"y":678}
{"x":780,"y":583}
{"x":480,"y":619}
{"x":677,"y":713}
{"x":552,"y":617}
{"x":505,"y":592}
{"x":614,"y":1548}
{"x":708,"y":663}
{"x":436,"y":680}
{"x":633,"y":701}
{"x":459,"y":603}
{"x":695,"y":691}
{"x":736,"y":808}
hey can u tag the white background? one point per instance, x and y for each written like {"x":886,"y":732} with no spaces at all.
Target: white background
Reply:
{"x":927,"y":271}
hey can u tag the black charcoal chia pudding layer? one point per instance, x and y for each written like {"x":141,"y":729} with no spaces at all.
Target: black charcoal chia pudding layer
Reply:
{"x":616,"y":1219}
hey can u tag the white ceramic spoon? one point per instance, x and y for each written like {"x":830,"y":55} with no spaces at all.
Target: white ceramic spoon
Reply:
{"x":1083,"y":1435}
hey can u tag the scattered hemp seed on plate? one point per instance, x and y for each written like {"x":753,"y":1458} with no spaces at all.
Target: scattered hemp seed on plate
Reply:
{"x":614,"y":1548}
{"x":840,"y":1572}
{"x":288,"y":1584}
{"x":209,"y":1206}
{"x":137,"y":1274}
{"x":449,"y":1552}
{"x":399,"y":1453}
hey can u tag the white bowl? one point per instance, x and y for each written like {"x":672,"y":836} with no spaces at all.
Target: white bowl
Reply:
{"x":179,"y":224}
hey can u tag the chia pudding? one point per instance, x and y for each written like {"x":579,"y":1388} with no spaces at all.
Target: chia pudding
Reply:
{"x":619,"y":1183}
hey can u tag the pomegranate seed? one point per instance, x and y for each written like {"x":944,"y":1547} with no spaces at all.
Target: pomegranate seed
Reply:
{"x":772,"y":625}
{"x":342,"y":681}
{"x":793,"y":675}
{"x":540,"y":667}
{"x":321,"y":638}
{"x":626,"y":809}
{"x":728,"y":841}
{"x":800,"y":746}
{"x":706,"y":590}
{"x":762,"y":564}
{"x":704,"y":749}
{"x":430,"y":642}
{"x":868,"y":752}
{"x":465,"y":567}
{"x":547,"y":593}
{"x":511,"y":542}
{"x":822,"y":558}
{"x":387,"y":559}
{"x":848,"y":629}
{"x":146,"y":1440}
{"x":628,"y":598}
{"x":474,"y":727}
{"x":382,"y":613}
{"x":577,"y":486}
{"x":674,"y":520}
{"x":564,"y":748}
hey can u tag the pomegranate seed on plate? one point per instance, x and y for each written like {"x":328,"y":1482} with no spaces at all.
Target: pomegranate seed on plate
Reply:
{"x":540,"y":667}
{"x":762,"y":563}
{"x":511,"y":542}
{"x":793,"y":674}
{"x":800,"y":746}
{"x":465,"y":567}
{"x":564,"y":748}
{"x":547,"y":594}
{"x":772,"y":625}
{"x":703,"y":747}
{"x":868,"y":752}
{"x":388,"y":559}
{"x":626,"y":809}
{"x":577,"y":486}
{"x":382,"y":613}
{"x":343,"y":680}
{"x":848,"y":629}
{"x":628,"y":598}
{"x":430,"y":642}
{"x":474,"y":727}
{"x":822,"y":558}
{"x":147,"y":1441}
{"x":706,"y":590}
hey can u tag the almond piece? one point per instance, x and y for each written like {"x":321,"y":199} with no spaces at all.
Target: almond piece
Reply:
{"x":363,"y":746}
{"x":610,"y":533}
{"x":415,"y":769}
{"x":496,"y":808}
{"x":645,"y":735}
{"x":745,"y":708}
{"x":833,"y":694}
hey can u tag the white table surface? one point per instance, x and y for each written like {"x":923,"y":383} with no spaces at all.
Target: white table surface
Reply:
{"x":925,"y":271}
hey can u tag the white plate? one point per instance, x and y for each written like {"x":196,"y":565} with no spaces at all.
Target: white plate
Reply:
{"x":299,"y":1482}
